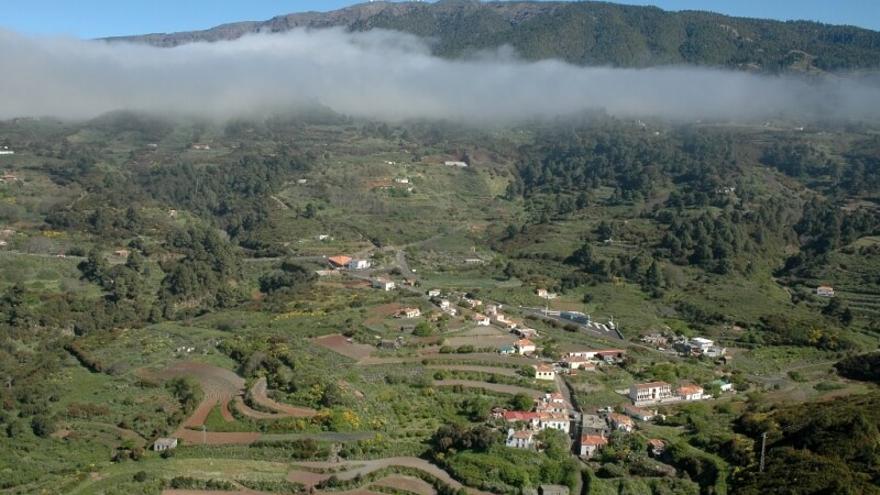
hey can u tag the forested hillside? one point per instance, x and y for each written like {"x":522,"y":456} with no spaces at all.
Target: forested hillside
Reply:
{"x":589,"y":33}
{"x":162,"y":276}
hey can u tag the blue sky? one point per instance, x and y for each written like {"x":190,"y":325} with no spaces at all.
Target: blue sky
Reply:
{"x":95,"y":18}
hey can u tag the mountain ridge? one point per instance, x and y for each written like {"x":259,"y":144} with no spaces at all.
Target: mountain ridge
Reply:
{"x":583,"y":33}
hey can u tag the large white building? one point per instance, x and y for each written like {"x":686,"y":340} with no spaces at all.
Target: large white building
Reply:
{"x":642,"y":393}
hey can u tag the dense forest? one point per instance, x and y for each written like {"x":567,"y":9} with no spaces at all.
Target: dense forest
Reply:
{"x":590,"y":33}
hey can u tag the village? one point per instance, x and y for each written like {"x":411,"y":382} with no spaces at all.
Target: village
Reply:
{"x":589,"y":430}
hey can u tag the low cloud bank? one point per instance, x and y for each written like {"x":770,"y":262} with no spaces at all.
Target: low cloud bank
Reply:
{"x":386,"y":75}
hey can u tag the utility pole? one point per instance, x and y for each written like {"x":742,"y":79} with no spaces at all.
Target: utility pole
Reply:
{"x":763,"y":446}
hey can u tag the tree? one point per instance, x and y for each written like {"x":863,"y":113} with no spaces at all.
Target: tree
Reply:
{"x":42,"y":426}
{"x":521,"y":402}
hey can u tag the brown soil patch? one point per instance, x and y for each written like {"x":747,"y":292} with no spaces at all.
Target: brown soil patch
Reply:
{"x":306,"y":478}
{"x":339,"y":344}
{"x":194,"y":437}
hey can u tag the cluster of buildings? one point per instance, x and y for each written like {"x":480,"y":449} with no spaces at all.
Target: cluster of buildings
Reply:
{"x":697,"y":346}
{"x":596,"y":428}
{"x":552,"y":411}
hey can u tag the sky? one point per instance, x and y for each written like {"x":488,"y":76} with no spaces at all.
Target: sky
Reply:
{"x":98,"y":18}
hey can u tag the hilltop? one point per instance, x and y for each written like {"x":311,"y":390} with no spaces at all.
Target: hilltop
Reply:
{"x":585,"y":33}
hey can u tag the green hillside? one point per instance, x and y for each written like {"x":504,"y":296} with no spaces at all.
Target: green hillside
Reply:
{"x":589,"y":33}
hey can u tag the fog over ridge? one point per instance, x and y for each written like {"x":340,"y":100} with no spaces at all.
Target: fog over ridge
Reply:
{"x":386,"y":75}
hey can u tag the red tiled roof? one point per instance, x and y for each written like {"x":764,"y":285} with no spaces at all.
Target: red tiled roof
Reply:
{"x":520,"y":416}
{"x":689,"y":389}
{"x":339,"y":260}
{"x":593,"y":440}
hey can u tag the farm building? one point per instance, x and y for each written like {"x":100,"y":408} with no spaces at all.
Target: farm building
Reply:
{"x":383,"y":284}
{"x":162,"y":444}
{"x":201,"y":146}
{"x":639,"y":413}
{"x":825,"y":291}
{"x":358,"y":264}
{"x":481,"y":320}
{"x":590,"y":444}
{"x":544,"y":372}
{"x":554,"y":421}
{"x":409,"y":313}
{"x":339,"y":261}
{"x":723,"y":385}
{"x":690,"y":392}
{"x":525,"y":346}
{"x":452,"y":163}
{"x":545,"y":294}
{"x":621,"y":422}
{"x":522,"y":439}
{"x":434,"y":293}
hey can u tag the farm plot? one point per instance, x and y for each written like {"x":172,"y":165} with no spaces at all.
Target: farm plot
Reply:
{"x":353,"y":469}
{"x":481,"y":337}
{"x":409,"y":484}
{"x":494,"y":387}
{"x":474,"y":368}
{"x":340,"y":345}
{"x":259,"y":393}
{"x":219,"y":386}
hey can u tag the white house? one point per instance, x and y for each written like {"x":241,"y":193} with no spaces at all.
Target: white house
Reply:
{"x":452,"y":163}
{"x":383,"y":283}
{"x":444,"y":304}
{"x":690,"y":392}
{"x":162,"y":444}
{"x":481,"y":320}
{"x":590,"y":444}
{"x":520,"y":439}
{"x":621,"y":422}
{"x":650,"y":392}
{"x":544,"y":294}
{"x":701,"y":344}
{"x":825,"y":291}
{"x":434,"y":293}
{"x":544,"y":372}
{"x":524,"y":346}
{"x":358,"y":264}
{"x":554,"y":421}
{"x":409,"y":313}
